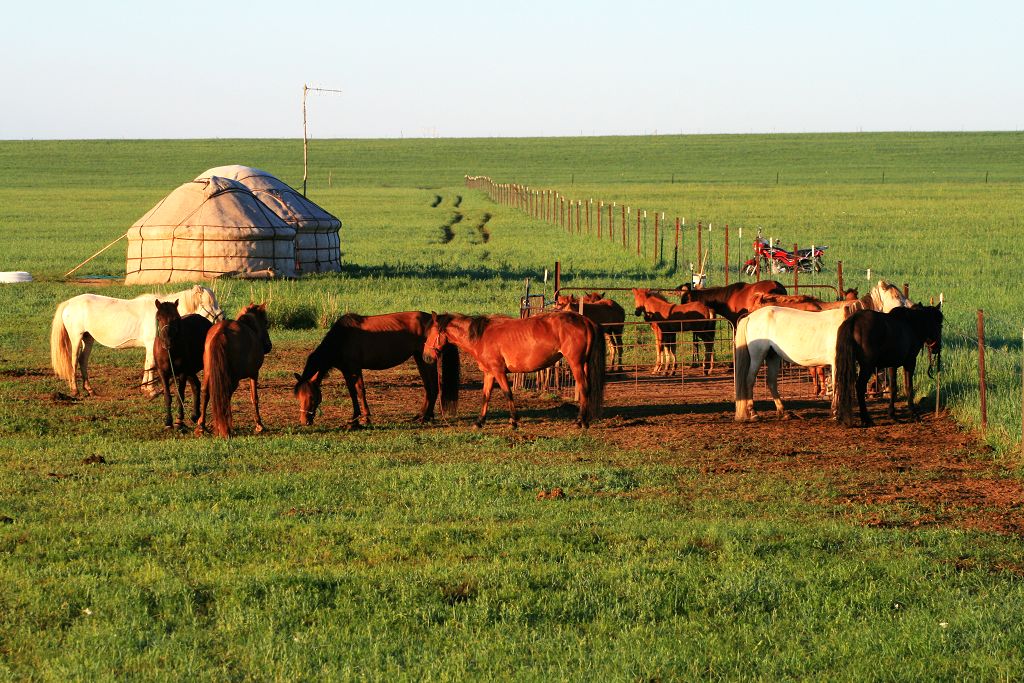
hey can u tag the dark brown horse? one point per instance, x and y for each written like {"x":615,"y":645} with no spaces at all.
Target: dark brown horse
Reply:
{"x":501,"y":345}
{"x":732,"y":301}
{"x":667,"y":320}
{"x":874,"y":340}
{"x":234,"y":351}
{"x":178,"y":355}
{"x":608,"y":314}
{"x":377,"y":342}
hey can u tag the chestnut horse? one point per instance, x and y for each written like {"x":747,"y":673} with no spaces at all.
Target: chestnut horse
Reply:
{"x":376,"y":342}
{"x":500,"y":345}
{"x":875,"y":340}
{"x":732,"y":301}
{"x":608,"y":314}
{"x":668,"y":319}
{"x":178,"y":356}
{"x":234,"y":351}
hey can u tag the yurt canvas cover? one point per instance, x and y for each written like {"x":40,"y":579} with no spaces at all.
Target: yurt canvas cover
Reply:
{"x":317,"y":244}
{"x":209,"y":228}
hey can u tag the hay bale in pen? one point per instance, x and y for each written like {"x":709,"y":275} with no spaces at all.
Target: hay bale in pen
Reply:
{"x":317,"y":244}
{"x":206,"y":229}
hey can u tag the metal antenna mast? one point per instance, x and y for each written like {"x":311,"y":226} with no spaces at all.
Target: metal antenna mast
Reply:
{"x":305,"y":137}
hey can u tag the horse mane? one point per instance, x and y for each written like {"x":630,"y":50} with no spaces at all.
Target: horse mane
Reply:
{"x":350,"y":320}
{"x":769,"y":298}
{"x":477,"y":325}
{"x":254,"y":312}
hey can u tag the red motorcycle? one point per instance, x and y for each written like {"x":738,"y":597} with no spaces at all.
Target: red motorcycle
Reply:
{"x":775,"y":259}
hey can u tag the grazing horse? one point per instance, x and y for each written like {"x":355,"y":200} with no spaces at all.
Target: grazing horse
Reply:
{"x":608,"y":314}
{"x":178,"y":355}
{"x":772,"y":334}
{"x":732,"y":301}
{"x":234,"y":351}
{"x":117,"y":323}
{"x":876,"y":340}
{"x":377,"y":342}
{"x":667,"y":320}
{"x":501,"y":345}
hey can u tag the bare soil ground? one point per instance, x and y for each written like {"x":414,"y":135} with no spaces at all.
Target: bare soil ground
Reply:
{"x":905,"y":473}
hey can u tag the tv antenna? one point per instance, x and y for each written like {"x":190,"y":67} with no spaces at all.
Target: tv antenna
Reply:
{"x":305,"y":138}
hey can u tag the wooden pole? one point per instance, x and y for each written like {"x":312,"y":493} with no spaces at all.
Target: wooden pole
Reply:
{"x":726,"y":254}
{"x":675,"y":254}
{"x":655,"y":238}
{"x":638,"y":232}
{"x":796,"y":270}
{"x":95,"y":255}
{"x":981,"y":369}
{"x":839,"y":273}
{"x":600,"y":206}
{"x":305,"y":141}
{"x":700,"y":248}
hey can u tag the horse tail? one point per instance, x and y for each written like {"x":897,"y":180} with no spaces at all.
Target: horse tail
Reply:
{"x":60,"y":346}
{"x":846,"y":374}
{"x":741,"y":363}
{"x":218,"y":383}
{"x":450,"y":380}
{"x":596,"y":359}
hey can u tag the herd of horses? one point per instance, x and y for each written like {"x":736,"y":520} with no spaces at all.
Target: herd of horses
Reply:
{"x":187,"y":333}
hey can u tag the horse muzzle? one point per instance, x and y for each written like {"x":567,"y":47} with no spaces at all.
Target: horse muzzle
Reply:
{"x":639,"y":311}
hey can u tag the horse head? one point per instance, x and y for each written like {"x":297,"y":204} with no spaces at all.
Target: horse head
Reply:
{"x":309,"y":395}
{"x":850,"y":295}
{"x":640,"y":299}
{"x":932,"y":332}
{"x":684,"y":292}
{"x":204,"y":302}
{"x":168,"y":319}
{"x":565,"y":302}
{"x":436,"y":337}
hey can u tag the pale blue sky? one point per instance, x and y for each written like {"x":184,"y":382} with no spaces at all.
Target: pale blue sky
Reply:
{"x":450,"y":68}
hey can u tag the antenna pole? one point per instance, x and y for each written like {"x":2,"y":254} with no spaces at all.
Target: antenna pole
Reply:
{"x":305,"y":136}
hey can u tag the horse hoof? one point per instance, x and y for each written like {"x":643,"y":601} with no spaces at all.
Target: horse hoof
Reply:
{"x":259,"y":429}
{"x":168,"y":425}
{"x":199,"y":431}
{"x":477,"y":427}
{"x":514,"y":425}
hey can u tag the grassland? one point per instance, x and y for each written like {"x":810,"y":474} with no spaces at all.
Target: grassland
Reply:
{"x":406,"y":553}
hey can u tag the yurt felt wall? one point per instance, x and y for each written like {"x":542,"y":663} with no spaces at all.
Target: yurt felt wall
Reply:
{"x":317,"y":244}
{"x":206,"y":229}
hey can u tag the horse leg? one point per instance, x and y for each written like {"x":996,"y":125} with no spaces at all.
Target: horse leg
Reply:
{"x":670,"y":354}
{"x":364,"y":409}
{"x":350,"y":384}
{"x":254,"y":396}
{"x":488,"y":387}
{"x":194,"y":381}
{"x":201,"y":422}
{"x":428,"y":373}
{"x":165,"y":379}
{"x":617,"y":351}
{"x":513,"y":418}
{"x":908,"y":384}
{"x":182,"y":381}
{"x":87,"y":342}
{"x":772,"y":367}
{"x":582,"y":394}
{"x":891,"y":374}
{"x":862,"y":387}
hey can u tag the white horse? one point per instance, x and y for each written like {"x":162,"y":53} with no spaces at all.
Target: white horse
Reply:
{"x":772,"y":334}
{"x":118,"y":324}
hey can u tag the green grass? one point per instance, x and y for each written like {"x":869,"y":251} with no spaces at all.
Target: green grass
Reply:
{"x":408,"y":553}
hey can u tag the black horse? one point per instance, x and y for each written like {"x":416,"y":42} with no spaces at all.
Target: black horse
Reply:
{"x":178,"y":355}
{"x":875,"y":340}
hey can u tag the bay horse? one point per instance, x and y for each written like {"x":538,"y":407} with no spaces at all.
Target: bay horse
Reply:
{"x":608,"y":315}
{"x":119,"y":324}
{"x":732,"y":301}
{"x":667,"y":320}
{"x":376,"y":342}
{"x":178,"y":356}
{"x":234,"y":351}
{"x":772,"y":334}
{"x":500,"y":345}
{"x":874,"y":340}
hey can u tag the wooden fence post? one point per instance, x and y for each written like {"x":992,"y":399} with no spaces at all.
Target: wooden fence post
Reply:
{"x":981,"y":369}
{"x":675,"y":254}
{"x":700,"y":243}
{"x":726,"y":254}
{"x":839,"y":273}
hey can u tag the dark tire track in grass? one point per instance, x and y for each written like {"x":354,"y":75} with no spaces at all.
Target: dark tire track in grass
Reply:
{"x":458,"y":201}
{"x":437,"y":200}
{"x":447,"y":234}
{"x":481,"y":227}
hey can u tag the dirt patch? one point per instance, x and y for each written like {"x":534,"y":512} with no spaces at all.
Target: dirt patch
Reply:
{"x":901,"y":474}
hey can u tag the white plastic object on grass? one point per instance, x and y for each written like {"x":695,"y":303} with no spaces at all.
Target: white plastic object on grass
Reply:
{"x":14,"y":276}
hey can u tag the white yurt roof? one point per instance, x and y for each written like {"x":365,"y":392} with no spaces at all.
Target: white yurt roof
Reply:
{"x":208,"y":228}
{"x":317,"y":244}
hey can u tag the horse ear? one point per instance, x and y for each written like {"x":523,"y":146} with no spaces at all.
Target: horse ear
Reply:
{"x":263,"y":306}
{"x":298,"y":377}
{"x":157,"y":304}
{"x":176,"y":303}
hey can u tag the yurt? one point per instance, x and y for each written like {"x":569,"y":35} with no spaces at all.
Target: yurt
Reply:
{"x":317,"y":245}
{"x":209,"y":228}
